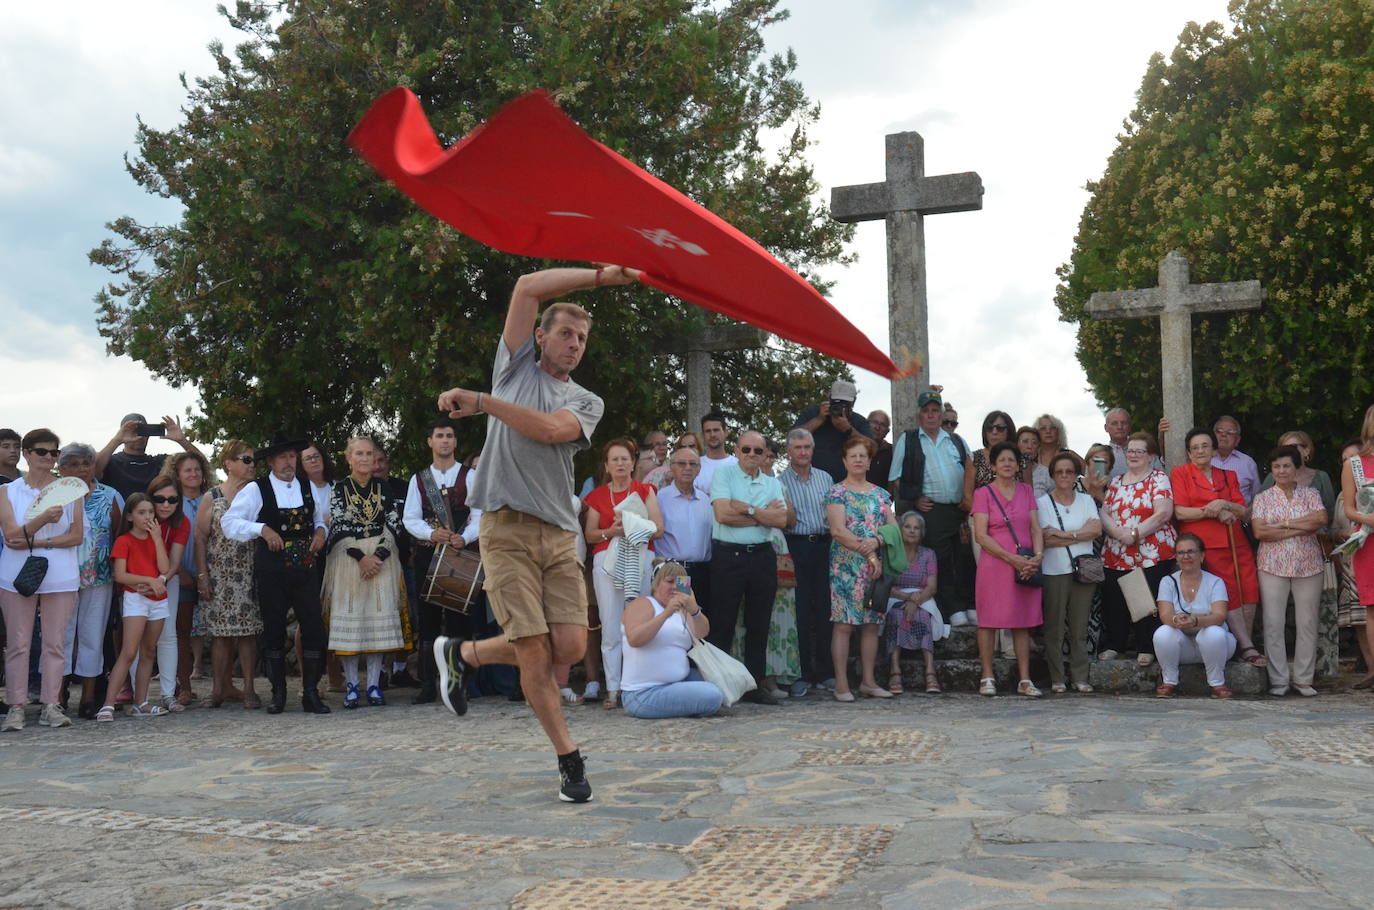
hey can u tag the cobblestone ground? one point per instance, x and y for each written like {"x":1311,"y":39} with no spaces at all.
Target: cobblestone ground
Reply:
{"x":917,"y":802}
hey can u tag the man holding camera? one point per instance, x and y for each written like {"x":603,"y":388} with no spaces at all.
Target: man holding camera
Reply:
{"x":830,"y":424}
{"x":131,"y":470}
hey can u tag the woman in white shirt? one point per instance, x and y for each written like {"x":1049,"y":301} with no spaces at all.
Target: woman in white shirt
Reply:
{"x":656,"y":679}
{"x":1071,"y":524}
{"x":1192,"y":615}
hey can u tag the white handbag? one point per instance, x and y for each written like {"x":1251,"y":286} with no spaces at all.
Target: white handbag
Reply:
{"x":730,"y":676}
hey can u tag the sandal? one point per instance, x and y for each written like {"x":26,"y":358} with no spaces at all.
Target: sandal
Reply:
{"x":933,"y":685}
{"x":612,"y":700}
{"x":1028,"y":689}
{"x":570,"y":698}
{"x":105,"y":714}
{"x":147,"y":709}
{"x":894,"y":684}
{"x":987,"y":686}
{"x":251,"y":701}
{"x":1252,"y":655}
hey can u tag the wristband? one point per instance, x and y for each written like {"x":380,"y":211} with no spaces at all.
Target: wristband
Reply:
{"x":596,"y":279}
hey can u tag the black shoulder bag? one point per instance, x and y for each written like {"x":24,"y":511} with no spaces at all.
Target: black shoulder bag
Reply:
{"x":31,"y":573}
{"x":1038,"y":579}
{"x":1088,"y":568}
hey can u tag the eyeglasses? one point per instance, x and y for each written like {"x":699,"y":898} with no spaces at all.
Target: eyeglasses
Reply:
{"x":1188,"y":553}
{"x":1137,"y":452}
{"x":949,"y":424}
{"x":312,"y":457}
{"x":685,"y":464}
{"x":999,"y":428}
{"x":44,"y":453}
{"x":1200,"y":447}
{"x":750,"y":450}
{"x":165,"y":500}
{"x":246,"y":459}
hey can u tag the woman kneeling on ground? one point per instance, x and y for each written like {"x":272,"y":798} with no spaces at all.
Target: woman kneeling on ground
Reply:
{"x":656,"y":679}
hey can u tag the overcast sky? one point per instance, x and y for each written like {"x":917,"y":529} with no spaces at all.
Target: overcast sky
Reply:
{"x":1029,"y":93}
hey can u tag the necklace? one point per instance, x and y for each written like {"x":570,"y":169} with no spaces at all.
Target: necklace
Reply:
{"x":367,"y":505}
{"x":1190,"y":588}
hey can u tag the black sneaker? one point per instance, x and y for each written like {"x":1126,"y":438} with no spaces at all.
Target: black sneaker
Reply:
{"x":572,"y":770}
{"x":452,"y":674}
{"x":759,"y":697}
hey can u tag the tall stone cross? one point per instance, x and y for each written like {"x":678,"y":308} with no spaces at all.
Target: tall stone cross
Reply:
{"x":697,"y":346}
{"x":1175,"y":301}
{"x":903,"y":200}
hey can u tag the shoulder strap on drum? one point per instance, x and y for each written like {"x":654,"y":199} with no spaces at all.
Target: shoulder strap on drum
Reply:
{"x":437,"y":502}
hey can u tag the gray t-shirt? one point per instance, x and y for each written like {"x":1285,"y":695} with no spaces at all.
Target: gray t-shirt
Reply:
{"x":518,"y":472}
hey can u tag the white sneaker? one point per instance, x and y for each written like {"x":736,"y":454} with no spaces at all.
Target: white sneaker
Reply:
{"x":53,"y":716}
{"x":13,"y":720}
{"x":959,"y":619}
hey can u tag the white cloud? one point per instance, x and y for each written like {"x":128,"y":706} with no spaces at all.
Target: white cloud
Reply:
{"x":22,"y":168}
{"x":59,"y":376}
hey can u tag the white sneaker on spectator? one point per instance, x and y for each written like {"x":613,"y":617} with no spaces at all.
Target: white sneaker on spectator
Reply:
{"x":14,"y":720}
{"x":827,"y":684}
{"x":959,"y":619}
{"x":972,"y":617}
{"x":53,"y":716}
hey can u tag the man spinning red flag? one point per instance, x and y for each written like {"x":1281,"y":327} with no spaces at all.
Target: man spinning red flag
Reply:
{"x":530,"y":181}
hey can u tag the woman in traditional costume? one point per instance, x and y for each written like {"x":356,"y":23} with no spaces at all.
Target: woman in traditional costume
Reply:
{"x":364,"y":595}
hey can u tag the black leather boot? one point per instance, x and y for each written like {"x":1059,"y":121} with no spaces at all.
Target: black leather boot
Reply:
{"x":275,"y":664}
{"x":429,"y":676}
{"x":312,"y":668}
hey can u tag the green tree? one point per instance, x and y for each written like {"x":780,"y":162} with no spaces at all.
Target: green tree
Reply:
{"x":1251,"y":153}
{"x":300,"y":290}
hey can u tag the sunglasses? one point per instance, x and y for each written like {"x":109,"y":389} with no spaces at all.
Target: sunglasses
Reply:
{"x":949,"y":424}
{"x":999,"y":428}
{"x":165,"y":500}
{"x":44,"y":453}
{"x":246,"y":459}
{"x":749,"y":450}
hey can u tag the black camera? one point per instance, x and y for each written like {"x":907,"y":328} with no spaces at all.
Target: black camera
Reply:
{"x":839,"y":407}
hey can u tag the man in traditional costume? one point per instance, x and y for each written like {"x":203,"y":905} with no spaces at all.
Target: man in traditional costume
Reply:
{"x":280,"y":512}
{"x":437,"y":514}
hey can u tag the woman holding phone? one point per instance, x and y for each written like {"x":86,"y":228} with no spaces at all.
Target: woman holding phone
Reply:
{"x":657,"y":631}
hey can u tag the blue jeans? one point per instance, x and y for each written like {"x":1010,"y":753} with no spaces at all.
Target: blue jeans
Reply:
{"x":692,"y":697}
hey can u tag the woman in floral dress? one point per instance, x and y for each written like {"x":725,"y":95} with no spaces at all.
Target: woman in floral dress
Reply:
{"x":224,"y":575}
{"x":855,"y":509}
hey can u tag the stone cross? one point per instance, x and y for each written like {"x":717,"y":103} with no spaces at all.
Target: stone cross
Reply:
{"x":1175,"y":301}
{"x":697,"y":346}
{"x":903,"y":200}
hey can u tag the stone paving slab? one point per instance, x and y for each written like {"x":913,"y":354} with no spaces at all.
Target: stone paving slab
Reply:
{"x":955,"y":801}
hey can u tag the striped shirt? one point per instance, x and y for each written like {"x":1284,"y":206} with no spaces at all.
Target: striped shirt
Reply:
{"x":805,"y":497}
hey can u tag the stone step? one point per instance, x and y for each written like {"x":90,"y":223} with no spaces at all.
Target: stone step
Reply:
{"x":1113,"y":677}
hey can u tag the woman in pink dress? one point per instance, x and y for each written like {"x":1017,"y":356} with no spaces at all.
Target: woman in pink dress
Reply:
{"x":1355,"y":473}
{"x":1005,"y":521}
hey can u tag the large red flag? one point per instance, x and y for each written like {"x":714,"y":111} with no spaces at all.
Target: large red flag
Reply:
{"x":529,"y":181}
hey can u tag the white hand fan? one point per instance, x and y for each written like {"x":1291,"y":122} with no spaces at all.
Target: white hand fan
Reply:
{"x":58,"y":493}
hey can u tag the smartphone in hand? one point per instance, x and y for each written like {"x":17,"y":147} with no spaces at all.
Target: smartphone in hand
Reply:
{"x":151,"y":429}
{"x":683,"y":585}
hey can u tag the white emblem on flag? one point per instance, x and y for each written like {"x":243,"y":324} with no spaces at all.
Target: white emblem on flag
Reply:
{"x":665,"y":238}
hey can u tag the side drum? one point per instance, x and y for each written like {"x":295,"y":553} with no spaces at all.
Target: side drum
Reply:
{"x":454,"y":579}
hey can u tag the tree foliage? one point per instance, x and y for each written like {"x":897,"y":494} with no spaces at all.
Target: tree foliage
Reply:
{"x":1251,"y":153}
{"x":300,"y":290}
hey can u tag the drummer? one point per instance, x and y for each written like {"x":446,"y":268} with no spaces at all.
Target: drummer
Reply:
{"x":436,"y":512}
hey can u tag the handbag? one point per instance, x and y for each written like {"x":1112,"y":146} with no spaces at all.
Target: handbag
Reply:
{"x":31,"y":573}
{"x":787,"y":571}
{"x":728,"y":675}
{"x":1088,"y":568}
{"x":1036,"y":580}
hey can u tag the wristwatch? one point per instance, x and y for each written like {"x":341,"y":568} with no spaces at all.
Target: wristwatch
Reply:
{"x":749,"y":511}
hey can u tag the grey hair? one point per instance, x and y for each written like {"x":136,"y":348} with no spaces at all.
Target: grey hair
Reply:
{"x":1226,"y":417}
{"x":73,"y":450}
{"x":800,"y":434}
{"x":1108,"y":415}
{"x":912,"y":513}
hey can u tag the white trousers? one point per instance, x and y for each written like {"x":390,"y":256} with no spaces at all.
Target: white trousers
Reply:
{"x":86,"y":631}
{"x":1307,"y":595}
{"x":1211,"y":647}
{"x":610,"y":603}
{"x":167,"y":643}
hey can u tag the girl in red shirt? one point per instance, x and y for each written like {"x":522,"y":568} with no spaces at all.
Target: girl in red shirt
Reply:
{"x":140,"y":565}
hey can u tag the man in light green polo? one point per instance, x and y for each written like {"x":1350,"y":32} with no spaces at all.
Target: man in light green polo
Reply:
{"x":748,"y":503}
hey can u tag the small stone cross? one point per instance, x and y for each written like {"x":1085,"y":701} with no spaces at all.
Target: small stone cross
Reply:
{"x":903,"y":200}
{"x":696,"y":346}
{"x":1175,"y":301}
